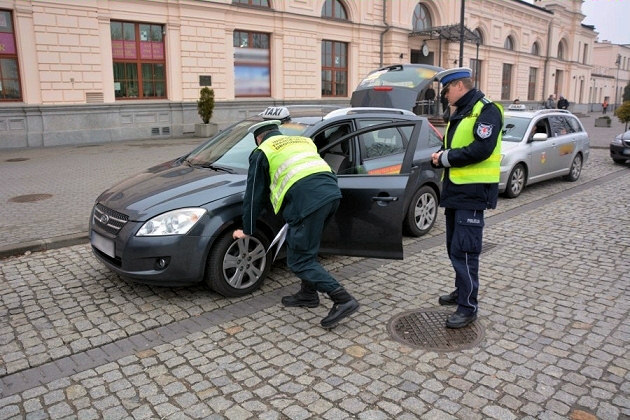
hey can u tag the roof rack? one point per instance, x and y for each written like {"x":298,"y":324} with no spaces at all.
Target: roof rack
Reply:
{"x":546,"y":111}
{"x":365,"y":110}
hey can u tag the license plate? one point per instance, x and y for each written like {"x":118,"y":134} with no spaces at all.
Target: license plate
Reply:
{"x":103,"y":244}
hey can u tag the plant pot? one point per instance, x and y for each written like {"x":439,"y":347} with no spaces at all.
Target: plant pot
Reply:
{"x":602,"y":122}
{"x":206,"y":130}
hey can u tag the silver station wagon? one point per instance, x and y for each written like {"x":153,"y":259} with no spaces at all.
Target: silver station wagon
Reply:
{"x":540,"y":145}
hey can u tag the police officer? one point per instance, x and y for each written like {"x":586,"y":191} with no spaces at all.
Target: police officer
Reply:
{"x":471,"y":158}
{"x":289,"y":171}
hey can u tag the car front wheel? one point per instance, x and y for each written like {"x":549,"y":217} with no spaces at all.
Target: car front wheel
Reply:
{"x":237,"y":267}
{"x":576,"y":169}
{"x":422,"y":212}
{"x":516,"y":181}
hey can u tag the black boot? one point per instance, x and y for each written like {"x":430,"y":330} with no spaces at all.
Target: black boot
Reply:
{"x":306,"y":297}
{"x":343,"y":305}
{"x":448,"y":300}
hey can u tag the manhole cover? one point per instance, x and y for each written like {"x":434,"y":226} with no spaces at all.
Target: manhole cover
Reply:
{"x":426,"y":329}
{"x":28,"y":198}
{"x":16,"y":160}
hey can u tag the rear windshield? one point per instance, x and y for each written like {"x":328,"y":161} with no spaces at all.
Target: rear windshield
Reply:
{"x":409,"y":77}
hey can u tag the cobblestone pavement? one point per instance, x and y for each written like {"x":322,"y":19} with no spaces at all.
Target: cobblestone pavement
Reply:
{"x":76,"y":341}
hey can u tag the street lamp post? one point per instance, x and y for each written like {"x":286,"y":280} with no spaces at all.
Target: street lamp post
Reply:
{"x":461,"y":34}
{"x":618,"y":62}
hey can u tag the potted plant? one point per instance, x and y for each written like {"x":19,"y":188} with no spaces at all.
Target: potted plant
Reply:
{"x":205,"y":107}
{"x":603,"y":121}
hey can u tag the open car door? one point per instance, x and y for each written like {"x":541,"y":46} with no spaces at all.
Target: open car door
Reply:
{"x":368,"y":222}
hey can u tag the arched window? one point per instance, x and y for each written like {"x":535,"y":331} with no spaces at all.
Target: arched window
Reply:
{"x":560,"y":50}
{"x":535,"y":48}
{"x":257,"y":3}
{"x":421,"y":18}
{"x":509,"y":43}
{"x":334,"y":9}
{"x":479,"y":35}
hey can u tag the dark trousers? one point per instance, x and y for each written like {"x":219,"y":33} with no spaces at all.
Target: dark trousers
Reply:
{"x":303,"y":239}
{"x":464,"y":235}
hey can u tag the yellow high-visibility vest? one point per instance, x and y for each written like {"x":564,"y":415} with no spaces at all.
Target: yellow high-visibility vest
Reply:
{"x":487,"y":171}
{"x":291,"y":158}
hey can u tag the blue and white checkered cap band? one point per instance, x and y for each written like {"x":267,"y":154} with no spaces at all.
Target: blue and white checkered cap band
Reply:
{"x":449,"y":75}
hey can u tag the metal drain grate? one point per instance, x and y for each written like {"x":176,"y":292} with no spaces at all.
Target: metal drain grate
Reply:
{"x":487,"y":247}
{"x":16,"y":160}
{"x":29,"y":198}
{"x":426,"y":329}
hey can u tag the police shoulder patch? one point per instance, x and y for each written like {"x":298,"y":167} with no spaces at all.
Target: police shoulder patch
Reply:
{"x":484,"y":130}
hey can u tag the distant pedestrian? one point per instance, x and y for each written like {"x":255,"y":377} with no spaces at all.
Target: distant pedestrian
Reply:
{"x":550,"y":103}
{"x":563,"y":103}
{"x":604,"y":106}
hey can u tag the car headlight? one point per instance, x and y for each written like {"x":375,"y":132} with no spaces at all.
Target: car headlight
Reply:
{"x":176,"y":222}
{"x":617,"y":141}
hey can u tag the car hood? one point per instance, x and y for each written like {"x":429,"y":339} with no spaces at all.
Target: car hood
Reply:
{"x":169,"y":186}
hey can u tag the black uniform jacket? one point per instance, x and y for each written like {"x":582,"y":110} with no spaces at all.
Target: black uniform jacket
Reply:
{"x":305,"y":196}
{"x":471,"y":196}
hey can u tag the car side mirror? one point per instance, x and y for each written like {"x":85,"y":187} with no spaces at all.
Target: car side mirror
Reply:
{"x":539,"y":137}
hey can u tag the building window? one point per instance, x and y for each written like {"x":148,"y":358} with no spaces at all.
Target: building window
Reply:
{"x":509,"y":43}
{"x":479,"y":35}
{"x":531,"y":87}
{"x":506,"y":81}
{"x":256,"y":3}
{"x":334,"y":9}
{"x":251,"y":64}
{"x":334,"y":68}
{"x":560,"y":50}
{"x":139,"y":62}
{"x":535,"y":48}
{"x":585,"y":54}
{"x":421,"y":18}
{"x":475,"y":65}
{"x":9,"y":70}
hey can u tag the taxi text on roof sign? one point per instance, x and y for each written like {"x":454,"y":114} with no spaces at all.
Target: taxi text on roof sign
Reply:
{"x":276,"y":113}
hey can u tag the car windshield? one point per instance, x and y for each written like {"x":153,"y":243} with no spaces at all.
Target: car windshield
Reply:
{"x":409,"y":77}
{"x":231,"y":147}
{"x":515,"y":128}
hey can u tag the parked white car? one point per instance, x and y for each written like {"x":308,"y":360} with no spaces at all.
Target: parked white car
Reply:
{"x":540,"y":145}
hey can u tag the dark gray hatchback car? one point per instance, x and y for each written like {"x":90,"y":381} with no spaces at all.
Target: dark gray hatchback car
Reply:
{"x":172,"y":224}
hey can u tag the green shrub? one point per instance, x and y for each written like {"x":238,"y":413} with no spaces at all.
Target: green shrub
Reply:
{"x":205,"y":104}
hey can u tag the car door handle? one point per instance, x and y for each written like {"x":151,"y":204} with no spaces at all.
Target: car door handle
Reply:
{"x":389,"y":199}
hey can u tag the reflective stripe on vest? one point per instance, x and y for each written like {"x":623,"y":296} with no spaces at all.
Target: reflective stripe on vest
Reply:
{"x":487,"y":171}
{"x":291,"y":158}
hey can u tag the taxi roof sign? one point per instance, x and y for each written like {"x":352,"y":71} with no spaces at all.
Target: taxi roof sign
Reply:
{"x":276,"y":113}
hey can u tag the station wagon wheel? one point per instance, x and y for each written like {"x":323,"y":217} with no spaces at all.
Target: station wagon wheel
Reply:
{"x":422,"y":212}
{"x":516,"y":181}
{"x":237,"y":267}
{"x":576,"y":169}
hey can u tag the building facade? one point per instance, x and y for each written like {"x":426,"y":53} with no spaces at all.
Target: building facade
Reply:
{"x":106,"y":70}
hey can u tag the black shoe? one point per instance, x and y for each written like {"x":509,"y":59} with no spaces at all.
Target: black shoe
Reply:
{"x":458,"y":320}
{"x":448,"y":300}
{"x":307,"y":297}
{"x":344,"y":305}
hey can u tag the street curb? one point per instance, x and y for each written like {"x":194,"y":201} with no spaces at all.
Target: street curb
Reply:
{"x":43,"y":244}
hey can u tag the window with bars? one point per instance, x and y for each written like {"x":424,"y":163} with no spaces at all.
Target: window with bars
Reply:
{"x":334,"y":68}
{"x":252,"y":75}
{"x":256,"y":3}
{"x":334,"y":9}
{"x":475,"y":66}
{"x":421,"y":19}
{"x":531,"y":87}
{"x":10,"y":89}
{"x":506,"y":81}
{"x":139,"y":60}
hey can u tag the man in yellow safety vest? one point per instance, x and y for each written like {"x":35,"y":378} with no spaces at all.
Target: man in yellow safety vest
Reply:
{"x":471,"y":158}
{"x":288,"y":171}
